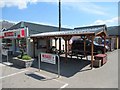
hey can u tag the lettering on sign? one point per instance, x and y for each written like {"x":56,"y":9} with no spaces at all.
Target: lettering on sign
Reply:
{"x":48,"y":58}
{"x":7,"y":34}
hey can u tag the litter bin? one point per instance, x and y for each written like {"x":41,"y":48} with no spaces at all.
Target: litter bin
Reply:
{"x":102,"y":57}
{"x":97,"y":63}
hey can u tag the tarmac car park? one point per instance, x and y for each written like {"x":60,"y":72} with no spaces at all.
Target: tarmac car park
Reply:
{"x":74,"y":74}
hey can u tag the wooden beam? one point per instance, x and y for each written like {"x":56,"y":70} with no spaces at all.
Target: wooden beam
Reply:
{"x":92,"y":50}
{"x":104,"y":44}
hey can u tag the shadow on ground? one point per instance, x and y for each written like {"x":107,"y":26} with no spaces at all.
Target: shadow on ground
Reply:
{"x":38,"y":77}
{"x":67,"y":69}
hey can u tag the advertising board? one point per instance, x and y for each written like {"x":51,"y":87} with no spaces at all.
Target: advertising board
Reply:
{"x":48,"y":58}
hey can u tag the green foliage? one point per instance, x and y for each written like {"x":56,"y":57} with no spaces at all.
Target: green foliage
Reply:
{"x":26,"y":57}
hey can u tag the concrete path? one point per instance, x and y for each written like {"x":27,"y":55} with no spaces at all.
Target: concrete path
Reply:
{"x":74,"y":74}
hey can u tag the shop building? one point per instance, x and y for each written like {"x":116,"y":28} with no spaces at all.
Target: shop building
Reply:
{"x":19,"y":34}
{"x":114,"y":36}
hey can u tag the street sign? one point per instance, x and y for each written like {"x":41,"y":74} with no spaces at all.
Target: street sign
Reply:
{"x":48,"y":58}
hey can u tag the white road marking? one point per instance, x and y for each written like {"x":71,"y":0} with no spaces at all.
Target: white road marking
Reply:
{"x":13,"y":74}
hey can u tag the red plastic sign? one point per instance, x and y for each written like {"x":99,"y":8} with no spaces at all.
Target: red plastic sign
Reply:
{"x":7,"y":34}
{"x":22,"y":33}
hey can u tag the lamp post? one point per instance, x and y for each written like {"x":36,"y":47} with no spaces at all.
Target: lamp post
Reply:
{"x":59,"y":24}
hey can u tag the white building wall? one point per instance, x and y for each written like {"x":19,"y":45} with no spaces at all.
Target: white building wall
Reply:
{"x":29,"y":47}
{"x":62,"y":43}
{"x":13,"y":45}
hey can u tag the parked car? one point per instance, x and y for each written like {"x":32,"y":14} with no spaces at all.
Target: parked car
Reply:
{"x":78,"y":45}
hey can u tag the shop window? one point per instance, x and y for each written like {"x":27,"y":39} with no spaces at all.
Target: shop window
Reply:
{"x":42,"y":44}
{"x":6,"y":43}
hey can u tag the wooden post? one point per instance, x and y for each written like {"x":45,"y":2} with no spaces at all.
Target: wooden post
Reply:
{"x":84,"y":45}
{"x":56,"y":42}
{"x":104,"y":44}
{"x":67,"y":45}
{"x":117,"y":42}
{"x":66,"y":38}
{"x":47,"y":44}
{"x":85,"y":48}
{"x":110,"y":43}
{"x":92,"y":50}
{"x":65,"y":48}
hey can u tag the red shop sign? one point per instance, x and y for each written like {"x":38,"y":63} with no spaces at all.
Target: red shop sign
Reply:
{"x":22,"y":33}
{"x":7,"y":34}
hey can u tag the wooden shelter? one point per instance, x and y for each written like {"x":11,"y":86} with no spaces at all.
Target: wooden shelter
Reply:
{"x":89,"y":32}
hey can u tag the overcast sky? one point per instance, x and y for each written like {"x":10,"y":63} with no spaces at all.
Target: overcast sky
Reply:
{"x":74,"y":13}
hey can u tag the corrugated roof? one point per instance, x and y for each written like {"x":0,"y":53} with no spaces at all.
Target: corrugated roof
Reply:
{"x":69,"y":32}
{"x":113,"y":31}
{"x":36,"y":28}
{"x":93,"y":27}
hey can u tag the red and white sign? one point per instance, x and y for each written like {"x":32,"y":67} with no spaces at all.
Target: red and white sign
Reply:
{"x":48,"y":58}
{"x":22,"y":33}
{"x":8,"y":34}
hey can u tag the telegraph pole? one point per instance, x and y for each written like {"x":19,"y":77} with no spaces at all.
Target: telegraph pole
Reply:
{"x":60,"y":24}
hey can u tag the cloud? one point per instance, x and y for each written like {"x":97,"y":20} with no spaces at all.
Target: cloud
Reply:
{"x":88,"y":7}
{"x":109,"y":22}
{"x":21,"y":4}
{"x":112,"y":21}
